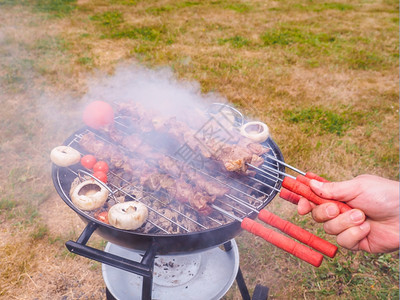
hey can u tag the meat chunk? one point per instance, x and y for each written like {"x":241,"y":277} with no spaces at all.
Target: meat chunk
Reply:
{"x":201,"y":202}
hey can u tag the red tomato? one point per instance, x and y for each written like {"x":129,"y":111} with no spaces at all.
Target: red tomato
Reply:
{"x":98,"y":114}
{"x":88,"y":161}
{"x":103,"y":216}
{"x":100,"y":175}
{"x":100,"y":166}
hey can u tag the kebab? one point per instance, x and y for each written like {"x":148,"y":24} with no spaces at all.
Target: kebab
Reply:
{"x":234,"y":157}
{"x":149,"y":175}
{"x":178,"y":129}
{"x":201,"y":192}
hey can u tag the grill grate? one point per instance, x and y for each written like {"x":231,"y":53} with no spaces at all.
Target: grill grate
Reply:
{"x":172,"y":217}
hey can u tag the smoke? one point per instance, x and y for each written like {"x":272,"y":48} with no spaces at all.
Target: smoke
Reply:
{"x":155,"y":89}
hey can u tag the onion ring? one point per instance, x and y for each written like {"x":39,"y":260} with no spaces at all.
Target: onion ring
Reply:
{"x":89,"y":195}
{"x":65,"y":156}
{"x":128,"y":215}
{"x":256,"y":131}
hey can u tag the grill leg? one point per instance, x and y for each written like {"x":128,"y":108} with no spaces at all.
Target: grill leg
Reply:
{"x":147,"y":288}
{"x":148,"y":260}
{"x":242,"y":285}
{"x":109,"y":296}
{"x":144,"y":268}
{"x":239,"y":277}
{"x":260,"y":293}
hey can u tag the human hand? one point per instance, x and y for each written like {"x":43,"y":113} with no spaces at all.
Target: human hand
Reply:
{"x":373,"y":223}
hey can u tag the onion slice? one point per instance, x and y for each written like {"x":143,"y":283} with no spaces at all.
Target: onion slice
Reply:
{"x":256,"y":131}
{"x":65,"y":156}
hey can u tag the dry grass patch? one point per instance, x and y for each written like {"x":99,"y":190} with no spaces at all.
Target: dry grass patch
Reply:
{"x":32,"y":267}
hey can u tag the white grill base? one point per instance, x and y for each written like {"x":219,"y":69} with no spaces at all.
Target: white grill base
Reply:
{"x":203,"y":275}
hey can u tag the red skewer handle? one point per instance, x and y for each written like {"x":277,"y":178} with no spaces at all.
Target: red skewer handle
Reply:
{"x":289,"y":196}
{"x":293,"y":197}
{"x":342,"y":206}
{"x":298,"y":233}
{"x":304,"y":190}
{"x":281,"y":241}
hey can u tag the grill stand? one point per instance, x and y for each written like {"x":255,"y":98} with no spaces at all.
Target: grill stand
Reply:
{"x":145,"y":267}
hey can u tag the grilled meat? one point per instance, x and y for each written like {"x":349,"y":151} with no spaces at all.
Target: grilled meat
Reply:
{"x":234,"y":157}
{"x":171,"y":166}
{"x":198,"y":195}
{"x":159,"y":172}
{"x":201,"y":203}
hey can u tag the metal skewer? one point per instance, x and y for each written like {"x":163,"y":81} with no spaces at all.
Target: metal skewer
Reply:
{"x":269,"y":168}
{"x":284,"y":164}
{"x":300,"y":185}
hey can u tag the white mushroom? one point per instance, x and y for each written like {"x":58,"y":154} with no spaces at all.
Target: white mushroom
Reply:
{"x":89,"y":195}
{"x":128,"y":215}
{"x":65,"y":156}
{"x":256,"y":131}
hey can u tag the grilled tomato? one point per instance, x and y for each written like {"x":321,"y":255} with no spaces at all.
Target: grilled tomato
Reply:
{"x":100,"y":166}
{"x":88,"y":161}
{"x":103,"y":216}
{"x":98,"y":114}
{"x":100,"y":175}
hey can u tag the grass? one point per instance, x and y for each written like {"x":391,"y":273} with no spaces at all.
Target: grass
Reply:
{"x":236,"y":41}
{"x":289,"y":36}
{"x":322,"y":74}
{"x":322,"y":121}
{"x":109,"y":19}
{"x":315,"y":7}
{"x":355,"y":273}
{"x":55,"y":8}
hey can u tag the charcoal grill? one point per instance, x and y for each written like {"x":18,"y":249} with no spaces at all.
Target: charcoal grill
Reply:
{"x":169,"y":243}
{"x":248,"y":198}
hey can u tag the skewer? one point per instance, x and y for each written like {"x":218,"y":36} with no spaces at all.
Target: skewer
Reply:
{"x":282,"y":241}
{"x":299,"y":185}
{"x":284,"y":193}
{"x":284,"y":164}
{"x":269,"y":168}
{"x":309,"y":175}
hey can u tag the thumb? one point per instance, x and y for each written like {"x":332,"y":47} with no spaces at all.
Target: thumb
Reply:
{"x":340,"y":191}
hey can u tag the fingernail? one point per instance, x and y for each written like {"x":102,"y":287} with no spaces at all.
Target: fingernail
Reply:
{"x":332,"y":210}
{"x":356,"y":216}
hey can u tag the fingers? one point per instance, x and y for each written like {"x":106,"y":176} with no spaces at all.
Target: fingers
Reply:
{"x":325,"y":212}
{"x":304,"y":206}
{"x":342,"y":222}
{"x":349,"y":227}
{"x":352,"y":237}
